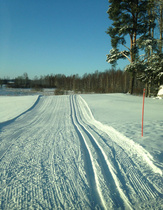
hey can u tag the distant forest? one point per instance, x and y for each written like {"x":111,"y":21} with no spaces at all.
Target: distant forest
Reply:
{"x":110,"y":81}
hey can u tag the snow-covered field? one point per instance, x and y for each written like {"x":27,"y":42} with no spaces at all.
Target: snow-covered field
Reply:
{"x":13,"y":106}
{"x":81,"y":152}
{"x":124,"y":113}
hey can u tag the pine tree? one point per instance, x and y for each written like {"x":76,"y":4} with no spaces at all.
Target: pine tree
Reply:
{"x":159,"y":17}
{"x":159,"y":11}
{"x":130,"y":18}
{"x":150,"y":65}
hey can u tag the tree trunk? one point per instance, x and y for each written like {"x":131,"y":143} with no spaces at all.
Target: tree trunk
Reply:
{"x":132,"y":80}
{"x":146,"y":89}
{"x":149,"y":89}
{"x":161,"y":26}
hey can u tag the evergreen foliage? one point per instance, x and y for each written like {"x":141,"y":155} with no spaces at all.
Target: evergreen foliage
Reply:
{"x":136,"y":19}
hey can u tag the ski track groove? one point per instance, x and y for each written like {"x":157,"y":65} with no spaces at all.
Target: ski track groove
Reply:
{"x":139,"y":184}
{"x":57,"y":156}
{"x":106,"y":169}
{"x":89,"y":163}
{"x":37,"y":136}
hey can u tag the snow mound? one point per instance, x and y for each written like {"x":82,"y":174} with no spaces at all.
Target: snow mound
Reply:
{"x":160,"y":92}
{"x":13,"y":106}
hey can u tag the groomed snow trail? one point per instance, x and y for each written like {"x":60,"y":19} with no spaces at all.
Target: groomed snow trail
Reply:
{"x":57,"y":156}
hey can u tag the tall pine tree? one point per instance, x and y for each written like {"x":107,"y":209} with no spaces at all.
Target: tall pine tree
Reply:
{"x":130,"y":19}
{"x":150,"y":63}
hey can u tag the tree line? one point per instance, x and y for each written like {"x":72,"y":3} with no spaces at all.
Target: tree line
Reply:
{"x":140,"y":21}
{"x":109,"y":81}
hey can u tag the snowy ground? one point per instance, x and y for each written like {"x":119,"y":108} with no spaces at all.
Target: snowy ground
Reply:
{"x":124,"y":113}
{"x":82,"y":152}
{"x":26,"y":91}
{"x":13,"y":106}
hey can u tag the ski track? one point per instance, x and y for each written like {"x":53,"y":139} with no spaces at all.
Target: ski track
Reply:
{"x":57,"y":156}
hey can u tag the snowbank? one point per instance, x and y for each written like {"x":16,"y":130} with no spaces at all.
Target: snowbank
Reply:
{"x":124,"y":113}
{"x":160,"y":92}
{"x":12,"y":106}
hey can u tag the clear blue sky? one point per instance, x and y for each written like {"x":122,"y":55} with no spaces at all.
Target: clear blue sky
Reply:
{"x":43,"y":37}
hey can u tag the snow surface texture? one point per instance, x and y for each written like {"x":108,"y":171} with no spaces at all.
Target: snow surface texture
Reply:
{"x":11,"y":107}
{"x":124,"y":113}
{"x":58,"y":156}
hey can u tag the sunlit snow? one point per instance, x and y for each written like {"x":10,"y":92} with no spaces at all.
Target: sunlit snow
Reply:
{"x":80,"y":152}
{"x":160,"y":92}
{"x":11,"y":107}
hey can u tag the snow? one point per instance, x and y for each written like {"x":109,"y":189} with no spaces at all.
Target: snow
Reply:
{"x":160,"y":92}
{"x":81,"y":152}
{"x":11,"y":107}
{"x":124,"y":113}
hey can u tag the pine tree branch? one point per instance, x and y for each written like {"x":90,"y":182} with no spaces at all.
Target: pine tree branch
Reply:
{"x":141,"y":56}
{"x":126,"y":47}
{"x":126,"y":56}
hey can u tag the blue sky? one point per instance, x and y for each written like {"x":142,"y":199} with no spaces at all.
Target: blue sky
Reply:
{"x":43,"y":37}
